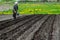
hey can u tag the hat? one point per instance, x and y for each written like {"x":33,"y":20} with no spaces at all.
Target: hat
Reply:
{"x":16,"y":2}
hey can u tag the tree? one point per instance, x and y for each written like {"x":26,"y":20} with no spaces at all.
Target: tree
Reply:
{"x":58,"y":0}
{"x":44,"y":0}
{"x":7,"y":0}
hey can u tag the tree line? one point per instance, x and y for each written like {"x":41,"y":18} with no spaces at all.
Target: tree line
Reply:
{"x":34,"y":0}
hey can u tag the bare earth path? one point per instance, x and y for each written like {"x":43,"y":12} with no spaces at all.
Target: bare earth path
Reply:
{"x":56,"y":27}
{"x":30,"y":27}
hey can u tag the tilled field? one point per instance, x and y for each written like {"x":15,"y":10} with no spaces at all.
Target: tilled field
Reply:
{"x":31,"y":27}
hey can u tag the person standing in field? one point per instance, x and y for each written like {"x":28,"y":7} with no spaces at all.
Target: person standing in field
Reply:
{"x":15,"y":9}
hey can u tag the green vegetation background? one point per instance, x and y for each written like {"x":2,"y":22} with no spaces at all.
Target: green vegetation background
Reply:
{"x":35,"y":8}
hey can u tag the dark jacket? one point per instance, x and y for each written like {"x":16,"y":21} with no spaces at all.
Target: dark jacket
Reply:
{"x":15,"y":7}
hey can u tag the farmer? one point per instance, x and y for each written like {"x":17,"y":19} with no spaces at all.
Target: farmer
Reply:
{"x":15,"y":9}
